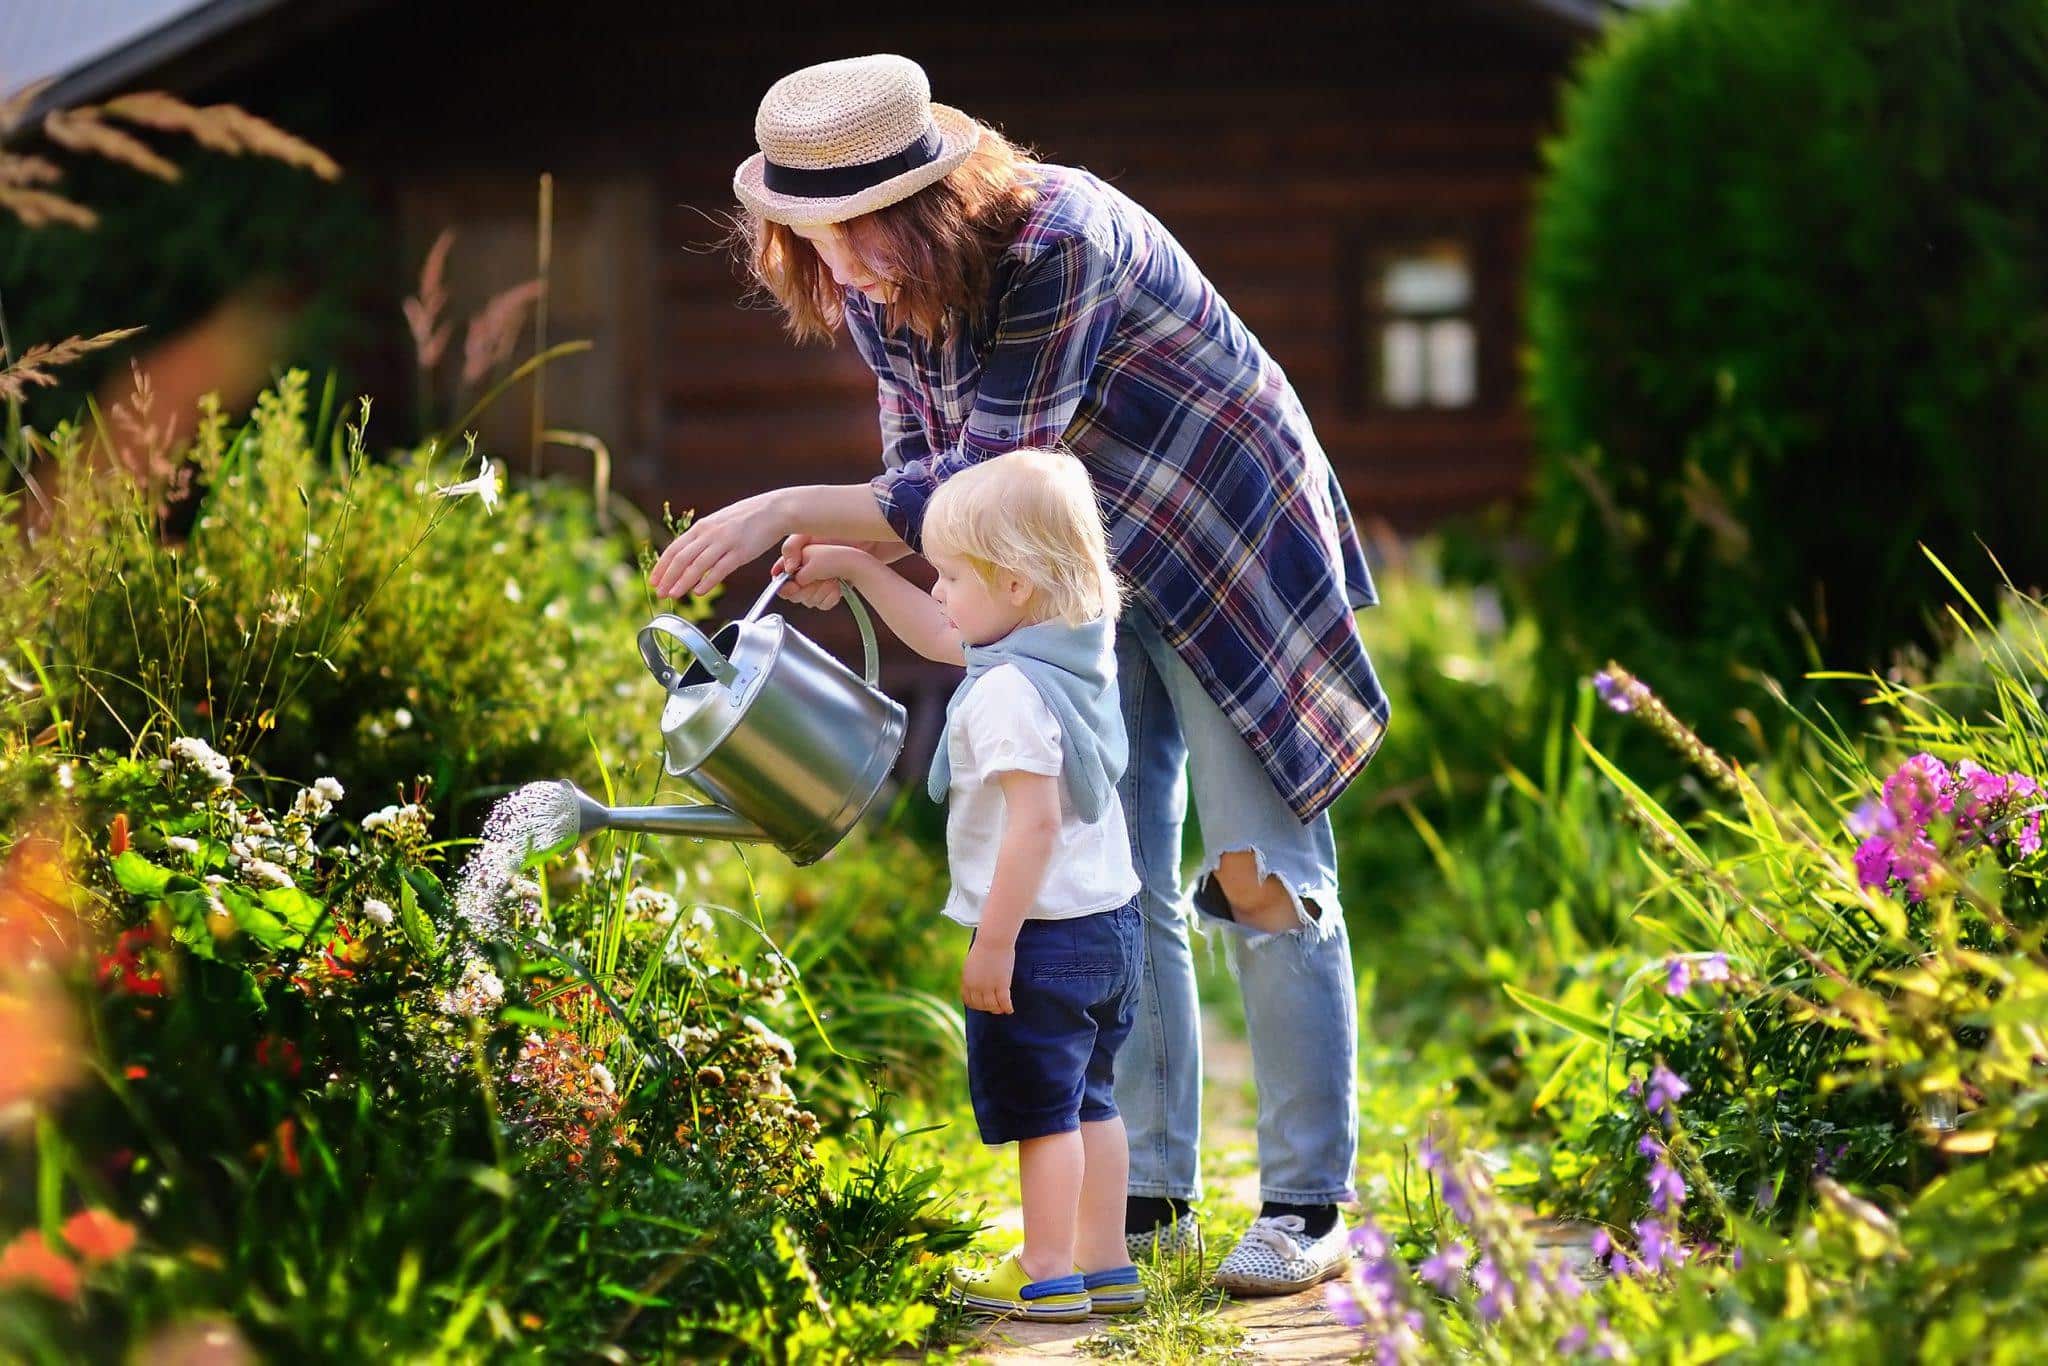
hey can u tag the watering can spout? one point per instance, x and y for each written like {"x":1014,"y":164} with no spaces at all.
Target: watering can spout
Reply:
{"x":699,"y":821}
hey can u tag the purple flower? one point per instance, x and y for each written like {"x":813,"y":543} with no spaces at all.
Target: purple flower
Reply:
{"x":1659,"y":1248}
{"x":1343,"y":1303}
{"x":1979,"y":784}
{"x":1713,"y":968}
{"x":1574,"y":1340}
{"x":1667,"y":1188}
{"x":1766,"y":1195}
{"x":1824,"y":1162}
{"x":1367,"y":1241}
{"x":1431,"y":1156}
{"x":1677,"y":976}
{"x":1649,"y":1147}
{"x":1613,"y":691}
{"x":1874,"y":863}
{"x":1919,"y":790}
{"x":1666,"y":1087}
{"x":1496,"y":1291}
{"x":1873,"y":816}
{"x":1443,"y":1269}
{"x":1456,"y":1196}
{"x":2029,"y":841}
{"x":1601,"y":1243}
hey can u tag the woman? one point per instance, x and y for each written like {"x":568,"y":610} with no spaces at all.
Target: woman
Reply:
{"x":1003,"y":302}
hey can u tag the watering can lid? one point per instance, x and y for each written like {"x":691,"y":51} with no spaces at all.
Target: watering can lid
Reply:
{"x":697,"y":718}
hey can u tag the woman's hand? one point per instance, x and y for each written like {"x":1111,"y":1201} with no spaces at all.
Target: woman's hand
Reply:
{"x":706,"y":555}
{"x":985,"y":981}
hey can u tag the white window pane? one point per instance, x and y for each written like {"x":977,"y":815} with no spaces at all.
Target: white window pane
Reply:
{"x":1401,"y":364}
{"x":1435,"y":279}
{"x":1453,"y":368}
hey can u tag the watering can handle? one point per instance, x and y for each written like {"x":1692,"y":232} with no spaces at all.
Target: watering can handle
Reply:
{"x":716,"y":664}
{"x":871,"y":658}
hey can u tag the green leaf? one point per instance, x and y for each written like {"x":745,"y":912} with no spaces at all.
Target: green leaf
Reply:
{"x":1564,"y":1017}
{"x":189,"y":910}
{"x":256,"y":920}
{"x":137,"y":875}
{"x":295,"y":908}
{"x":532,"y":1019}
{"x":414,"y":922}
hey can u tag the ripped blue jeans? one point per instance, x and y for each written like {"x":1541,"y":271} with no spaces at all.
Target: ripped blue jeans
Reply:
{"x":1300,"y":1005}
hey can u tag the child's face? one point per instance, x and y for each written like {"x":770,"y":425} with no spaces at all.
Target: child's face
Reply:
{"x":980,"y":611}
{"x":848,"y":270}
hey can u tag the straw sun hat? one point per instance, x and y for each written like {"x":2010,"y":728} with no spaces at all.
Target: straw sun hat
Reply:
{"x":845,"y":138}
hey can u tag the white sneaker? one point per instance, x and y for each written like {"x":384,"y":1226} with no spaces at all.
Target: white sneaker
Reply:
{"x":1181,"y":1238}
{"x":1277,"y":1257}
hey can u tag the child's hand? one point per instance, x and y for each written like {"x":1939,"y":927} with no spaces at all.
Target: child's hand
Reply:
{"x":823,"y":596}
{"x":821,"y":563}
{"x":985,"y":981}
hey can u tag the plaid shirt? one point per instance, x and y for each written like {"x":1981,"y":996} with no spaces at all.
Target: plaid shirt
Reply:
{"x":1224,"y":516}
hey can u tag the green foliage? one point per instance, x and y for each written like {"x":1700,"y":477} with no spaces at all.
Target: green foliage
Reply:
{"x":1783,"y":298}
{"x":329,"y":614}
{"x":165,"y":255}
{"x":348,"y":1149}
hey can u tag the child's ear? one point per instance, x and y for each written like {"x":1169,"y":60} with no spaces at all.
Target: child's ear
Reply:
{"x":1017,"y":590}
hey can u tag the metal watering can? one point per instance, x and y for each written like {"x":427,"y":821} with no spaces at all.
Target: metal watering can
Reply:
{"x":790,"y":745}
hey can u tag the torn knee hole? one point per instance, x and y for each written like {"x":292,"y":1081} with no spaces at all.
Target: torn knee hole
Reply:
{"x":1236,"y":890}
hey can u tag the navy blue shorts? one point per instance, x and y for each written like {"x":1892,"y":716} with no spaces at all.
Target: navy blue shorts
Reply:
{"x":1048,"y":1067}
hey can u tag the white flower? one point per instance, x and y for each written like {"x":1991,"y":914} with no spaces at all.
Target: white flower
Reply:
{"x":379,"y":911}
{"x":512,"y":591}
{"x":202,"y":758}
{"x":700,"y":920}
{"x":484,"y":488}
{"x":604,"y":1078}
{"x":181,"y":844}
{"x":64,"y":778}
{"x":477,"y":992}
{"x":266,"y":871}
{"x":650,"y":903}
{"x":402,"y":719}
{"x":396,"y":822}
{"x":284,"y":608}
{"x":311,"y":804}
{"x":330,"y":788}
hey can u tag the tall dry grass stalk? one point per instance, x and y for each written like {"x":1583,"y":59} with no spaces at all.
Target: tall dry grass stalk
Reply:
{"x":26,"y":180}
{"x":423,"y":310}
{"x":35,"y":364}
{"x":494,"y":331}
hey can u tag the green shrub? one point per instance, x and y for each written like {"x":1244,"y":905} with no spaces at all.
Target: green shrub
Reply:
{"x":1788,"y":268}
{"x":326,"y":1114}
{"x":329,"y":614}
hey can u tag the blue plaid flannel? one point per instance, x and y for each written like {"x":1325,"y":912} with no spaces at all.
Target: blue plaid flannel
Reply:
{"x":1224,"y":516}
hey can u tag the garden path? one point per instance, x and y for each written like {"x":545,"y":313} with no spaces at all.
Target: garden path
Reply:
{"x":1293,"y":1328}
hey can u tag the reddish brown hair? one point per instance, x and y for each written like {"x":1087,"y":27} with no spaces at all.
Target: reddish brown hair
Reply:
{"x":938,"y":248}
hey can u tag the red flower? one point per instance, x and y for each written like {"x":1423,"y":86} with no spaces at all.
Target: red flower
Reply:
{"x":28,"y":1261}
{"x":135,"y":1071}
{"x":117,"y":834}
{"x":282,"y":1054}
{"x":97,"y":1236}
{"x":122,"y":969}
{"x":288,"y":1145}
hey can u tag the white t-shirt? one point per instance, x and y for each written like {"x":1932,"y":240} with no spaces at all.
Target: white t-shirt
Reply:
{"x":1002,"y":725}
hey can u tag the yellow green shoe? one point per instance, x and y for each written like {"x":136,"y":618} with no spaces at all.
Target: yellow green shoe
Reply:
{"x":1115,"y":1290}
{"x":1005,"y":1289}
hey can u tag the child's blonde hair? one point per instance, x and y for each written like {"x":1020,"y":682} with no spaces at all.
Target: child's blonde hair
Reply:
{"x":1030,"y":513}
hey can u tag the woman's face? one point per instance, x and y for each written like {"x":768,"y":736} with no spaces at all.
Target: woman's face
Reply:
{"x":847,"y":269}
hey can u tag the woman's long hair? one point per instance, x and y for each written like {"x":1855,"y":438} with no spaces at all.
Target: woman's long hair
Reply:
{"x":938,"y":248}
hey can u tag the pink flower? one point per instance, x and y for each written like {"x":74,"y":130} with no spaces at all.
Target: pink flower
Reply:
{"x":1919,"y":789}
